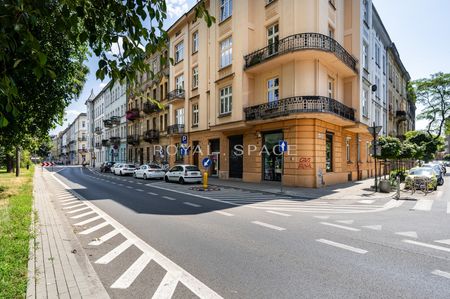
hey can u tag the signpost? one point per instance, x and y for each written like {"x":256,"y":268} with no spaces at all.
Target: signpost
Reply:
{"x":206,"y":162}
{"x":283,"y":145}
{"x":184,"y":139}
{"x":374,"y":130}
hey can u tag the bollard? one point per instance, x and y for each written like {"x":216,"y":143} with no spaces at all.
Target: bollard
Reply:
{"x":205,"y":180}
{"x":397,"y":196}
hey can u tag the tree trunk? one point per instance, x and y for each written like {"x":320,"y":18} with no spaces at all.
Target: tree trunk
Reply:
{"x":17,"y":161}
{"x":9,"y":163}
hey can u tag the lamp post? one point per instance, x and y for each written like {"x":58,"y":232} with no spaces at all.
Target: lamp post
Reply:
{"x":374,"y":130}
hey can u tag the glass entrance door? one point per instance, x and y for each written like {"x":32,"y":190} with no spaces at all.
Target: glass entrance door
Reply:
{"x":272,"y":158}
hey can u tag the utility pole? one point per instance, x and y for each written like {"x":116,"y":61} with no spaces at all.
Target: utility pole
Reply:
{"x":374,"y":130}
{"x":17,"y":161}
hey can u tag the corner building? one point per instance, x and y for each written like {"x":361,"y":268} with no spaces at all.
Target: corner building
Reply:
{"x":267,"y":71}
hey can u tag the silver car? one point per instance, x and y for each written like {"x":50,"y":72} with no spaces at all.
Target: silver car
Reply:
{"x":184,"y":174}
{"x":149,"y":172}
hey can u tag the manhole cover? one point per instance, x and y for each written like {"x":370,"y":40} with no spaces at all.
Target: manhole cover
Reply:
{"x":210,"y":188}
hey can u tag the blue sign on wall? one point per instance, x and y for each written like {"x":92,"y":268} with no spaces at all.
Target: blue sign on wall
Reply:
{"x":283,"y":146}
{"x":184,"y":139}
{"x":206,"y":162}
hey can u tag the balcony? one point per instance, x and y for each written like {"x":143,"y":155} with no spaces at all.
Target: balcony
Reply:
{"x":84,"y":138}
{"x":98,"y":130}
{"x":176,"y":94}
{"x":107,"y":123}
{"x":300,"y":104}
{"x":132,"y":114}
{"x":105,"y":142}
{"x":175,"y":129}
{"x":298,"y":42}
{"x":114,"y":140}
{"x":82,"y":151}
{"x":71,"y":141}
{"x":151,"y":135}
{"x":115,"y":120}
{"x":150,"y":107}
{"x":400,"y":115}
{"x":133,"y":139}
{"x":98,"y":145}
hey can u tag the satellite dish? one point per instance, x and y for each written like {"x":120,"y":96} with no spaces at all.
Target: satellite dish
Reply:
{"x":374,"y":87}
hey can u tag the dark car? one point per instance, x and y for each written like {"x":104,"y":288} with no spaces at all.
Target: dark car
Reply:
{"x":106,"y":166}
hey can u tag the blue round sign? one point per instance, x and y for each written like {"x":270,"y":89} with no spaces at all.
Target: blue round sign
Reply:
{"x":206,"y":162}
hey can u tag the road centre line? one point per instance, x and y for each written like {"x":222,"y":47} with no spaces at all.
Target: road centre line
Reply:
{"x":441,"y":273}
{"x":341,"y":226}
{"x":151,"y":193}
{"x":224,"y":213}
{"x":342,"y":246}
{"x":192,"y":204}
{"x":279,"y":213}
{"x":427,"y":245}
{"x":140,"y":190}
{"x":169,"y":198}
{"x":268,"y":225}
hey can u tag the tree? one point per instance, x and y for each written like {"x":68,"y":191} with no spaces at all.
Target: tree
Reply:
{"x":434,"y":95}
{"x":427,"y":145}
{"x":447,"y":157}
{"x":390,"y":149}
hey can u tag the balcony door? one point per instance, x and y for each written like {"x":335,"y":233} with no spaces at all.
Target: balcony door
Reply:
{"x":272,"y":38}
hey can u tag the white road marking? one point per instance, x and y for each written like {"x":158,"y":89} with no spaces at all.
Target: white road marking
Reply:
{"x":441,"y":273}
{"x":87,"y":221}
{"x":345,"y":221}
{"x":140,"y":190}
{"x":192,"y":204}
{"x":189,"y":281}
{"x":74,"y":206}
{"x":120,"y":185}
{"x":367,"y":201}
{"x":374,"y":227}
{"x":151,"y":193}
{"x":278,"y":213}
{"x":169,"y":198}
{"x":82,"y":215}
{"x":224,"y":213}
{"x":65,"y":197}
{"x":129,"y":187}
{"x":447,"y":242}
{"x":127,"y":278}
{"x":341,"y":226}
{"x":73,"y":201}
{"x":104,"y":238}
{"x":342,"y":246}
{"x":139,"y":183}
{"x":407,"y":234}
{"x":268,"y":225}
{"x":115,"y":252}
{"x":448,"y":207}
{"x":423,"y":205}
{"x":94,"y":228}
{"x":167,"y":286}
{"x":322,"y":217}
{"x":78,"y":210}
{"x":427,"y":245}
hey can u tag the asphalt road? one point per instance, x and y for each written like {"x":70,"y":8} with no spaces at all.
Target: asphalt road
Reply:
{"x":165,"y":240}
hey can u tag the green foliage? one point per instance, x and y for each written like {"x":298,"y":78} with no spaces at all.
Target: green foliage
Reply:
{"x":447,"y":157}
{"x":390,"y":147}
{"x":426,"y":145}
{"x":434,"y":95}
{"x":409,"y":150}
{"x":398,"y":172}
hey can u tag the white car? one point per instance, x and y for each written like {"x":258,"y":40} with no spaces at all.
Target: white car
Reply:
{"x":184,"y":174}
{"x":124,"y":169}
{"x":114,"y":167}
{"x":149,"y":172}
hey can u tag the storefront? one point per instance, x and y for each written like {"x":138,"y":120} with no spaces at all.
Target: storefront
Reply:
{"x":272,"y":159}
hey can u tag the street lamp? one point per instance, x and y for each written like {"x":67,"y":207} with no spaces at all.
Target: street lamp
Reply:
{"x":374,"y":130}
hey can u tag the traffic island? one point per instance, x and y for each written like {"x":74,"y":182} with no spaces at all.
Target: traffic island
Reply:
{"x":209,"y":188}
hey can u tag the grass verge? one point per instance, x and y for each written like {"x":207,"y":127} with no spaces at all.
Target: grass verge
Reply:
{"x":16,"y":198}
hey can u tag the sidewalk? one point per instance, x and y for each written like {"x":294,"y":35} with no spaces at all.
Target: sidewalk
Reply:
{"x":58,"y":266}
{"x":351,"y":190}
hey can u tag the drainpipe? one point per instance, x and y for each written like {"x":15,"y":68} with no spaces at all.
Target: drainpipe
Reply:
{"x":358,"y":154}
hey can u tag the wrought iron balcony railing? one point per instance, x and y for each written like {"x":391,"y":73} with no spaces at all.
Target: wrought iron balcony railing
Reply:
{"x":301,"y":41}
{"x":300,"y":104}
{"x":107,"y":123}
{"x":98,"y":130}
{"x":105,"y":142}
{"x":151,"y":135}
{"x":98,"y":145}
{"x":150,"y":107}
{"x":133,"y":139}
{"x":132,"y":114}
{"x":400,"y":115}
{"x":114,"y":140}
{"x":176,"y":94}
{"x":175,"y":129}
{"x":115,"y":120}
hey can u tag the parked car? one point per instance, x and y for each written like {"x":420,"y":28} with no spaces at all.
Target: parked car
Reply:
{"x":184,"y":174}
{"x":439,"y":173}
{"x":124,"y":169}
{"x":113,"y":167}
{"x":150,"y":171}
{"x":106,"y":166}
{"x":425,"y":172}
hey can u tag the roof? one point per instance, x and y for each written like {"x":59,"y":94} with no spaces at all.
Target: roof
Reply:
{"x":184,"y":15}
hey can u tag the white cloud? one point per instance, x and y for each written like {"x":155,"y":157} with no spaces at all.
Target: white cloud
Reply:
{"x":176,"y":8}
{"x":103,"y":84}
{"x":72,"y":112}
{"x":116,"y":48}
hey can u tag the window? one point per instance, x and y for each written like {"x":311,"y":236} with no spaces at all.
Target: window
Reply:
{"x":377,"y":83}
{"x":195,"y":115}
{"x":272,"y":38}
{"x":366,"y":11}
{"x":384,"y":64}
{"x":195,"y":77}
{"x":179,"y":82}
{"x":358,"y":151}
{"x":383,"y":93}
{"x":155,"y":65}
{"x":83,"y":124}
{"x":367,"y":150}
{"x":330,"y":87}
{"x":225,"y":100}
{"x":365,"y":56}
{"x":179,"y":52}
{"x":365,"y":103}
{"x":195,"y":42}
{"x":226,"y":9}
{"x":226,"y":52}
{"x":329,"y":152}
{"x":377,"y":55}
{"x":179,"y":116}
{"x":273,"y":90}
{"x":330,"y":31}
{"x":347,"y":148}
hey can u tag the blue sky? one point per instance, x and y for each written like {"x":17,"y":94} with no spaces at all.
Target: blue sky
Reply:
{"x":419,"y":29}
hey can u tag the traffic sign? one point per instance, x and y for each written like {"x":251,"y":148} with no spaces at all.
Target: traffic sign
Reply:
{"x":206,"y":162}
{"x":184,"y":151}
{"x":47,"y":164}
{"x":283,"y":145}
{"x":184,"y":139}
